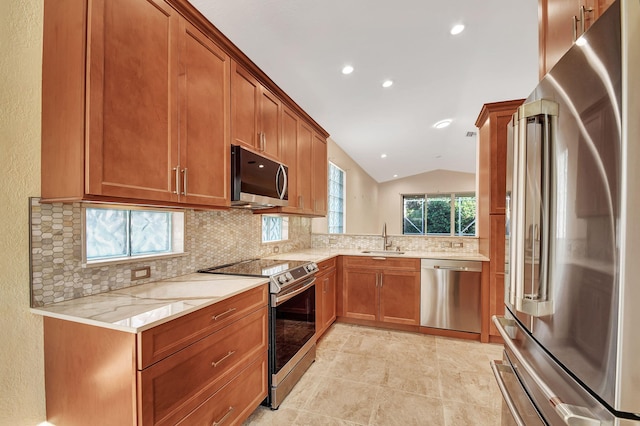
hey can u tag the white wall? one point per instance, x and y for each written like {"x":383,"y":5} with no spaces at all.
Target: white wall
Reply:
{"x":434,"y":182}
{"x":21,"y":348}
{"x":362,"y":195}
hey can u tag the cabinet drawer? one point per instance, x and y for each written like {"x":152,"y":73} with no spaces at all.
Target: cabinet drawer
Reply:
{"x":236,"y":401}
{"x":382,"y":262}
{"x":326,"y":265}
{"x":171,"y":388}
{"x":161,"y":341}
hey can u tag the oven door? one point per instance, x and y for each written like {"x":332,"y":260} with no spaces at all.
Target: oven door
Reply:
{"x":293,"y":338}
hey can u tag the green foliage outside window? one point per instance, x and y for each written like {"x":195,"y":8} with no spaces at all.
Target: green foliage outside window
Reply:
{"x":434,"y":214}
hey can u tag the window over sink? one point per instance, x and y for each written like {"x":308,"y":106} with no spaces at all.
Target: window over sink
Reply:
{"x":439,"y":214}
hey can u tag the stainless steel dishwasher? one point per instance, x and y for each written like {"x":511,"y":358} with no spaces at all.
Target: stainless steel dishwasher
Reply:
{"x":450,"y":294}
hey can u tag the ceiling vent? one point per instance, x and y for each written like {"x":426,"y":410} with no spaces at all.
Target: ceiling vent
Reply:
{"x":471,"y":134}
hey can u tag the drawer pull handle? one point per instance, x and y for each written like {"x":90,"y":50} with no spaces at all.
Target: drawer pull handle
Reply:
{"x":215,"y":363}
{"x":215,"y":317}
{"x":224,"y":418}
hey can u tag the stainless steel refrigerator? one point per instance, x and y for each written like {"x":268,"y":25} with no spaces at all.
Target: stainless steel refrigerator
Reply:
{"x":572,"y":323}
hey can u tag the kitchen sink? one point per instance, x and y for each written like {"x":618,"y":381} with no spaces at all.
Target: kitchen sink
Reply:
{"x":386,"y":252}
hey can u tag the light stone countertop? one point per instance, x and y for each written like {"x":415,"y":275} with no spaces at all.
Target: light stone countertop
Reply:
{"x":318,"y":255}
{"x":138,"y":308}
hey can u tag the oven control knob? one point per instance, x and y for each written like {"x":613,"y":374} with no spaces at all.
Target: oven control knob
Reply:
{"x":311,"y":267}
{"x":289,"y":276}
{"x":282,"y":279}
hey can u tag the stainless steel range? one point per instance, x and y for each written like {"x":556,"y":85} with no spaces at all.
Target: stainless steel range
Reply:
{"x":292,"y":318}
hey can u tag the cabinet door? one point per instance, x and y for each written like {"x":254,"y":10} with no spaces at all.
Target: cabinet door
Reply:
{"x":556,"y":30}
{"x":132,"y":114}
{"x":245,"y":98}
{"x":329,"y":299}
{"x":496,"y":270}
{"x":303,"y":169}
{"x":325,"y":301}
{"x":400,"y":297}
{"x":319,"y":175}
{"x":289,"y":153}
{"x":204,"y":120}
{"x":360,"y":294}
{"x":269,"y":137}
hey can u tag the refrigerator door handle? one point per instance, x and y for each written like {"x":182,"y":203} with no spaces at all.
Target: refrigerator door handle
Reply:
{"x":539,"y":304}
{"x":570,"y":414}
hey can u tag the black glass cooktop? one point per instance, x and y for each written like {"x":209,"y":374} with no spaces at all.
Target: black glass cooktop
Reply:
{"x":256,"y":267}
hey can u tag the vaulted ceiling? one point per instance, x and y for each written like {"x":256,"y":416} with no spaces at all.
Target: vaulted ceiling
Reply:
{"x":304,"y":44}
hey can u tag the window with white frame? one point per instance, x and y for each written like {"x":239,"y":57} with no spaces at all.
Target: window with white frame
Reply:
{"x":335,"y":213}
{"x":116,"y":234}
{"x":274,"y":228}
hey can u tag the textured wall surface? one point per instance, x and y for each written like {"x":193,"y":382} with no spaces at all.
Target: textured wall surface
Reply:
{"x":467,"y":245}
{"x":21,"y":360}
{"x":211,"y":238}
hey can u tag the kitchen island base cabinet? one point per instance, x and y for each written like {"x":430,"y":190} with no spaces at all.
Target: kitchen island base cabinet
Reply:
{"x":381,"y":290}
{"x":93,"y":374}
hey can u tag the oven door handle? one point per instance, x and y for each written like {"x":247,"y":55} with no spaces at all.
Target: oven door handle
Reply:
{"x":278,"y":300}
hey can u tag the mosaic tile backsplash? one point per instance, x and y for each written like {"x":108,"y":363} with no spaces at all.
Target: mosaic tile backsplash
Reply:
{"x":211,"y":238}
{"x":405,"y":242}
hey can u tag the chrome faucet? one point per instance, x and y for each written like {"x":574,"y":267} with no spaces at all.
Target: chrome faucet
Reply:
{"x":387,"y":243}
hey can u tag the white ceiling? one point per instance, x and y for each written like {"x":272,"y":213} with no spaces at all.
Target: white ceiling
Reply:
{"x":303,"y":45}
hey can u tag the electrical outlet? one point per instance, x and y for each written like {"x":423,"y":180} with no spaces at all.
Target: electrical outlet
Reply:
{"x":457,"y":245}
{"x":446,"y":244}
{"x":141,"y":273}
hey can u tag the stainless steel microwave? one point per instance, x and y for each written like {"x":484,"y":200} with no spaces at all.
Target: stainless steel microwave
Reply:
{"x":256,"y":181}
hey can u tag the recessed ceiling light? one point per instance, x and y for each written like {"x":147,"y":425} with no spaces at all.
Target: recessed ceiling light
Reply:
{"x":442,"y":123}
{"x":383,"y":156}
{"x":348,"y":69}
{"x":395,"y":175}
{"x":387,"y":83}
{"x":457,"y":29}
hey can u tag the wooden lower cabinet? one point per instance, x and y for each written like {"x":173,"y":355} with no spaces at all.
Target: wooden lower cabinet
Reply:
{"x":235,"y":401}
{"x":379,"y":289}
{"x":326,"y":281}
{"x":93,"y":374}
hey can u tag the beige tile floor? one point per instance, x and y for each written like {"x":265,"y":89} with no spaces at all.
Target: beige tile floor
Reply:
{"x":368,"y":376}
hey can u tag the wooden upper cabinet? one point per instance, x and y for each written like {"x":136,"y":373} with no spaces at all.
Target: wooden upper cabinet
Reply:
{"x":245,"y":98}
{"x":141,"y":101}
{"x":319,"y":175}
{"x":146,"y":101}
{"x":204,"y":120}
{"x":289,"y":153}
{"x":269,"y":141}
{"x":132,"y":124}
{"x":492,"y":154}
{"x":255,"y":114}
{"x":304,"y":166}
{"x":559,"y":22}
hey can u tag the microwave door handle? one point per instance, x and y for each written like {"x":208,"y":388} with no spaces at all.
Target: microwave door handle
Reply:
{"x":281,"y":170}
{"x":570,"y":414}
